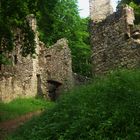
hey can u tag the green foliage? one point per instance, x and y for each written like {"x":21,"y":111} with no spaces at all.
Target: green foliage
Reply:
{"x":28,"y":46}
{"x":56,"y":19}
{"x":81,"y":51}
{"x":4,"y":60}
{"x":62,"y":20}
{"x":12,"y":15}
{"x":135,"y":4}
{"x":19,"y":107}
{"x":107,"y":109}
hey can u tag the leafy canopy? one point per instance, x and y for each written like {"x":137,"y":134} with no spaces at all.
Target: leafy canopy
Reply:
{"x":63,"y":20}
{"x":56,"y":19}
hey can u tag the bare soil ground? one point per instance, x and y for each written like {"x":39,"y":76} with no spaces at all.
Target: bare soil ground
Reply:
{"x":10,"y":126}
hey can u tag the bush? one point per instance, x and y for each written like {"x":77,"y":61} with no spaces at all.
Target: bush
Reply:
{"x":108,"y":109}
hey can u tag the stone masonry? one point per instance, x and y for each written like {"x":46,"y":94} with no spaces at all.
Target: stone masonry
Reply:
{"x":99,"y":10}
{"x":55,"y":69}
{"x":115,"y":41}
{"x":48,"y":72}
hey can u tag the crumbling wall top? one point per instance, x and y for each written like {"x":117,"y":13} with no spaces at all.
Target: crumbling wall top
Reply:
{"x":115,"y":42}
{"x":99,"y":10}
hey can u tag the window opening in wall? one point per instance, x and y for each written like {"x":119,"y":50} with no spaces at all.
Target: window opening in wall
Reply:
{"x":39,"y":88}
{"x":0,"y":62}
{"x":126,"y":36}
{"x":131,"y":29}
{"x":15,"y":59}
{"x":136,"y":34}
{"x":48,"y":57}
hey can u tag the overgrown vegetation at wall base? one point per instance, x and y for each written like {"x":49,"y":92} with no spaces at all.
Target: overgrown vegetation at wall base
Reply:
{"x":107,"y":109}
{"x":19,"y":107}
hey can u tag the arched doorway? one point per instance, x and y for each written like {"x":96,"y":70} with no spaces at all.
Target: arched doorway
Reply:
{"x":54,"y":89}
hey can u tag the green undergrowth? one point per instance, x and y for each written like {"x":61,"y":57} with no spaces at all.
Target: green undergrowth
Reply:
{"x":20,"y":107}
{"x":107,"y":109}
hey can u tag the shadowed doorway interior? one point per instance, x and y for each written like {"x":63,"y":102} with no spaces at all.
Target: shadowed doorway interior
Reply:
{"x":54,"y":88}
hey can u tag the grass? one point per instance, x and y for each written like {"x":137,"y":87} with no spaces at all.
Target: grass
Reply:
{"x":20,"y":107}
{"x":108,"y":109}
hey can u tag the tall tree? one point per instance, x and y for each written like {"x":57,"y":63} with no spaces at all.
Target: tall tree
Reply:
{"x":63,"y":20}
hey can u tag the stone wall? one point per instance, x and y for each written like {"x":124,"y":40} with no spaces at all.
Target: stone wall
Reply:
{"x":55,"y":69}
{"x":99,"y":10}
{"x":115,"y":42}
{"x":59,"y":63}
{"x":33,"y":76}
{"x":19,"y":78}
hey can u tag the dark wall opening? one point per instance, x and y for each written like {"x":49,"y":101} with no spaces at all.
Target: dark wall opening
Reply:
{"x":0,"y":60}
{"x":15,"y":59}
{"x":54,"y":88}
{"x":39,"y":88}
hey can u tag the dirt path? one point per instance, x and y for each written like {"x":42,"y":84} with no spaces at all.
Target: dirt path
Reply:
{"x":10,"y":125}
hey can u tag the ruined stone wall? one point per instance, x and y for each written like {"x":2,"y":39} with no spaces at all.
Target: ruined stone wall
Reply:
{"x":115,"y":42}
{"x":55,"y":67}
{"x":99,"y":10}
{"x":19,"y":78}
{"x":59,"y":64}
{"x":30,"y":76}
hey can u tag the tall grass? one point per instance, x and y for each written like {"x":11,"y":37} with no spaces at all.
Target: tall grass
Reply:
{"x":19,"y":107}
{"x":108,"y":109}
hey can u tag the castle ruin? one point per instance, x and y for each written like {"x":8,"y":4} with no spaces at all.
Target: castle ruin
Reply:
{"x":115,"y":39}
{"x":115,"y":42}
{"x":46,"y":74}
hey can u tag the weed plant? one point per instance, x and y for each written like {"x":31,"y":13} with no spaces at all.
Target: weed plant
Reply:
{"x":108,"y":109}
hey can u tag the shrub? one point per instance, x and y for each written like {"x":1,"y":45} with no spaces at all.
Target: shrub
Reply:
{"x":107,"y":109}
